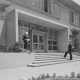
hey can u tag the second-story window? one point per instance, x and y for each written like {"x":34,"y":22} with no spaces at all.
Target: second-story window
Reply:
{"x":56,"y":10}
{"x":51,"y":8}
{"x":33,"y":3}
{"x":46,"y":5}
{"x":75,"y":19}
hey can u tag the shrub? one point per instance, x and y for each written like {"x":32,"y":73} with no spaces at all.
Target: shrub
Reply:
{"x":39,"y":78}
{"x":10,"y":48}
{"x":47,"y":76}
{"x":42,"y":76}
{"x":3,"y":47}
{"x":14,"y":47}
{"x":33,"y":78}
{"x":66,"y":76}
{"x":72,"y":74}
{"x":78,"y":75}
{"x":54,"y":75}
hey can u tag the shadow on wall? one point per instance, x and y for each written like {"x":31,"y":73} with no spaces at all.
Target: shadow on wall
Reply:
{"x":3,"y":30}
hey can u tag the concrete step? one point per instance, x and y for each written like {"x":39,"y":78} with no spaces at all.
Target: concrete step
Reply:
{"x":43,"y":59}
{"x":53,"y":63}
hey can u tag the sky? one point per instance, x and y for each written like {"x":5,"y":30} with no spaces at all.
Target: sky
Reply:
{"x":77,"y":1}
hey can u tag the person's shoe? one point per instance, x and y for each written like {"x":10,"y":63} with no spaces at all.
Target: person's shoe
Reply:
{"x":70,"y":59}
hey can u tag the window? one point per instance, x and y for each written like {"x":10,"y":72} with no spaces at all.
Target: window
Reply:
{"x":33,"y":3}
{"x":56,"y":9}
{"x":49,"y":6}
{"x":75,"y":19}
{"x":53,"y":40}
{"x":46,"y":5}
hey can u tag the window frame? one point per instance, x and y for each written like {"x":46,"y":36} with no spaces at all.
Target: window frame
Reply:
{"x":74,"y":19}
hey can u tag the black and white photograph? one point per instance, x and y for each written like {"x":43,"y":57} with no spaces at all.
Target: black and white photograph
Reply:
{"x":39,"y":39}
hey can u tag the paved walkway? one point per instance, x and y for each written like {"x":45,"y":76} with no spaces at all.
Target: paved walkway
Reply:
{"x":27,"y":72}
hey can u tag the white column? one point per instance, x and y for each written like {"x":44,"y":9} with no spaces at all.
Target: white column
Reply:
{"x":16,"y":26}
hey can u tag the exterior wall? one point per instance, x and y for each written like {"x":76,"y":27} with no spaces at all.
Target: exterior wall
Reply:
{"x":11,"y":30}
{"x":62,"y":40}
{"x":64,"y":11}
{"x":2,"y":28}
{"x":2,"y":32}
{"x":12,"y":60}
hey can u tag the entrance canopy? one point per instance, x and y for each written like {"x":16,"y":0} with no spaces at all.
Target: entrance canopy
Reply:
{"x":40,"y":20}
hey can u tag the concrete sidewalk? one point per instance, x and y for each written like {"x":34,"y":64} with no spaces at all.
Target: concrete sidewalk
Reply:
{"x":27,"y":72}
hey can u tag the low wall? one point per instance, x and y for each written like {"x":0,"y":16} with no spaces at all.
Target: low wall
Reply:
{"x":13,"y":60}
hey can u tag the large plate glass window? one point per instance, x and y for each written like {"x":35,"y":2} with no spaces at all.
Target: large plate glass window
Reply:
{"x":53,"y":40}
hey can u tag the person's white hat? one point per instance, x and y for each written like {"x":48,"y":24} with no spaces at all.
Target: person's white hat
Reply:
{"x":26,"y":32}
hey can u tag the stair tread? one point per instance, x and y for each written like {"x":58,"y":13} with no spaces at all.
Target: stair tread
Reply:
{"x":52,"y":63}
{"x":43,"y":59}
{"x":46,"y":61}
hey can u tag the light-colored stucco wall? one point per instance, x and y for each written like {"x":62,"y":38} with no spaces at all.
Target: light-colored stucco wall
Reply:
{"x":11,"y":29}
{"x":63,"y":40}
{"x":13,"y":60}
{"x":64,"y":13}
{"x":3,"y":30}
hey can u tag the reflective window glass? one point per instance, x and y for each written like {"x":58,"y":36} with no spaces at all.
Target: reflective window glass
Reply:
{"x":35,"y":46}
{"x":40,"y":39}
{"x":35,"y":39}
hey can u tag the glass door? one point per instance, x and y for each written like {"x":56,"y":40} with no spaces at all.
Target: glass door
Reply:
{"x":41,"y":43}
{"x":38,"y":43}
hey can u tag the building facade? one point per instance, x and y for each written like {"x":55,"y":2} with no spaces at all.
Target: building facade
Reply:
{"x":48,"y":23}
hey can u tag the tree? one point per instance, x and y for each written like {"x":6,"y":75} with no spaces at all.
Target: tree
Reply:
{"x":3,"y":7}
{"x":72,"y":74}
{"x":75,"y":34}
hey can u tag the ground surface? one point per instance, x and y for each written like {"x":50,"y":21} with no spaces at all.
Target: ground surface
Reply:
{"x":27,"y":72}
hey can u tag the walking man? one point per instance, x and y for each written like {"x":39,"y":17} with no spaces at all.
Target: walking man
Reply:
{"x":69,"y":51}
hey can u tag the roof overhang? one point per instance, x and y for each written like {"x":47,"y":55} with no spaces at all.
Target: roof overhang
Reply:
{"x":40,"y":20}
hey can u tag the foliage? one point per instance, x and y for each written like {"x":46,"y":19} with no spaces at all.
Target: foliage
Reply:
{"x":3,"y":47}
{"x":78,"y":75}
{"x":28,"y":78}
{"x":72,"y":74}
{"x":47,"y":75}
{"x":75,"y":32}
{"x":76,"y":43}
{"x":33,"y":78}
{"x":15,"y":47}
{"x":42,"y":76}
{"x":66,"y":76}
{"x":54,"y":75}
{"x":38,"y":78}
{"x":3,"y":7}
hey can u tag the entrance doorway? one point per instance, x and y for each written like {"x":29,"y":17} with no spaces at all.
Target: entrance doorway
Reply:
{"x":24,"y":38}
{"x":38,"y":41}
